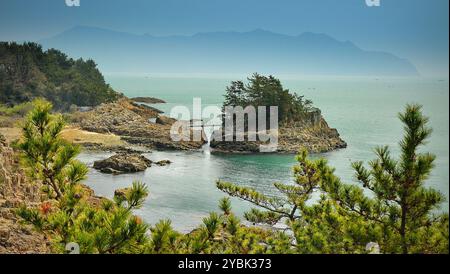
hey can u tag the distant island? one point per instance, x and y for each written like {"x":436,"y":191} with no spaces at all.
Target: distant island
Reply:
{"x":301,"y":125}
{"x":228,"y":52}
{"x":148,"y":100}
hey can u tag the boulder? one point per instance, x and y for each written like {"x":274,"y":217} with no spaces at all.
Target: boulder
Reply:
{"x":123,"y":163}
{"x":163,"y":163}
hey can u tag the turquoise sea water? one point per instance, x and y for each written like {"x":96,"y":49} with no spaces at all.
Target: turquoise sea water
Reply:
{"x":363,"y":110}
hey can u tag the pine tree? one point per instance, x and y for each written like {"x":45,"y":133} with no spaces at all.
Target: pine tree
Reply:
{"x":287,"y":205}
{"x":398,"y":185}
{"x":47,"y":157}
{"x":235,"y":94}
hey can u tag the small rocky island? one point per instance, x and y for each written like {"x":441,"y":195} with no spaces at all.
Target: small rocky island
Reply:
{"x":301,"y":126}
{"x":123,"y":163}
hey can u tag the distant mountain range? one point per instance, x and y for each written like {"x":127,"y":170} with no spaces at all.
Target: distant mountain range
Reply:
{"x":227,"y":52}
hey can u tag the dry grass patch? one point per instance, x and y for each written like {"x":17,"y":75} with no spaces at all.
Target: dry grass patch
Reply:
{"x":11,"y":133}
{"x":79,"y":136}
{"x":71,"y":134}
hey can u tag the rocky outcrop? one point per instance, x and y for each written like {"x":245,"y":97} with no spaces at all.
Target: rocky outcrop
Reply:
{"x":97,"y":147}
{"x":123,"y":163}
{"x":163,"y":163}
{"x":153,"y":109}
{"x":131,"y":123}
{"x":15,"y":190}
{"x":164,"y":120}
{"x":311,"y":133}
{"x":316,"y":138}
{"x":148,"y":100}
{"x":113,"y":117}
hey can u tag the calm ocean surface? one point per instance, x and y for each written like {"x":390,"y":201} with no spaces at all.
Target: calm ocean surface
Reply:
{"x":363,"y":110}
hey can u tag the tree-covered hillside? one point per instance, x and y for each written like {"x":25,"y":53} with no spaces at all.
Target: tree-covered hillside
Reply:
{"x":27,"y":72}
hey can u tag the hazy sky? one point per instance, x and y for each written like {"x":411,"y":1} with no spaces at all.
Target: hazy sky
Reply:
{"x":414,"y":29}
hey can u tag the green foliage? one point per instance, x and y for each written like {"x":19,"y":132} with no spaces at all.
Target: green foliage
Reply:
{"x":133,"y":199}
{"x":267,"y":91}
{"x":291,"y":200}
{"x":401,"y":200}
{"x":211,"y":224}
{"x":27,"y":72}
{"x":18,"y":110}
{"x":224,"y":234}
{"x":163,"y":238}
{"x":46,"y":156}
{"x":225,"y":205}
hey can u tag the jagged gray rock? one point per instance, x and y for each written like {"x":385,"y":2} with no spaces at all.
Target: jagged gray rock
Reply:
{"x":123,"y":163}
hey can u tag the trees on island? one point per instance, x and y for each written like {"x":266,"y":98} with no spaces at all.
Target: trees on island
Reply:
{"x":390,"y":207}
{"x":267,"y":91}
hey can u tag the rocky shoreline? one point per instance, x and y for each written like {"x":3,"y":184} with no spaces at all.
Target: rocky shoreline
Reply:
{"x":138,"y":125}
{"x":133,"y":124}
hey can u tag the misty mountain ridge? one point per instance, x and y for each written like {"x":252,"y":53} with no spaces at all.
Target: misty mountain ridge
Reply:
{"x":227,"y":52}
